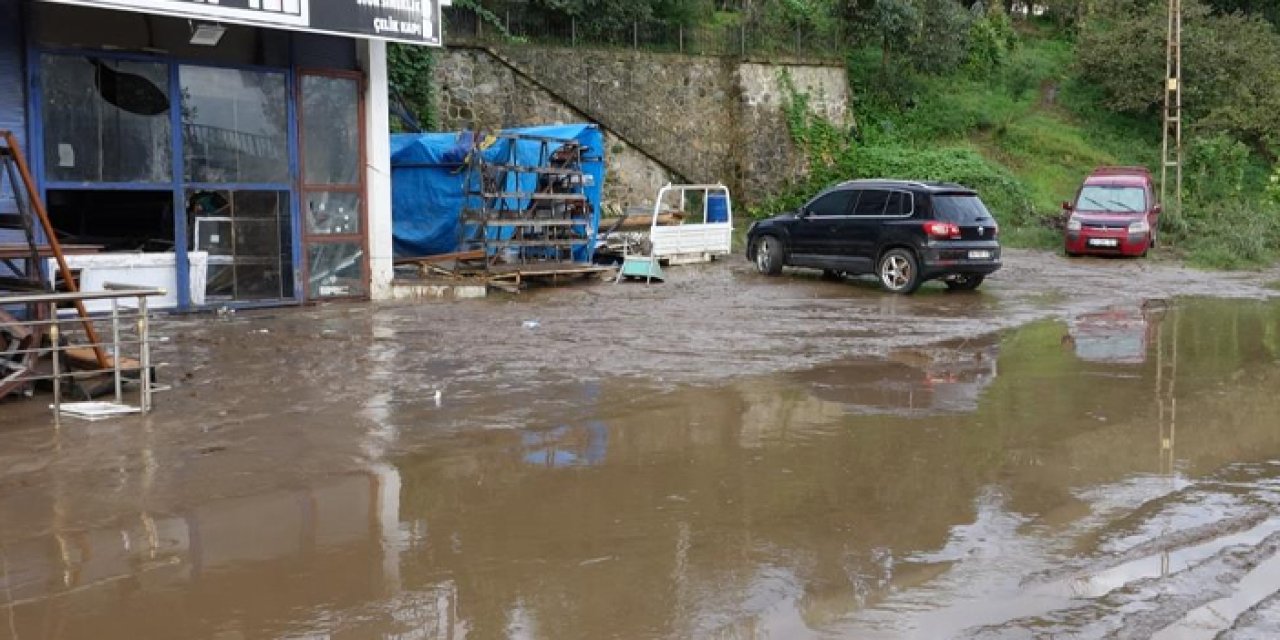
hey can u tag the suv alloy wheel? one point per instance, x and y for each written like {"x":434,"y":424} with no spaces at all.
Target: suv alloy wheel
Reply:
{"x":899,"y":271}
{"x":768,"y":251}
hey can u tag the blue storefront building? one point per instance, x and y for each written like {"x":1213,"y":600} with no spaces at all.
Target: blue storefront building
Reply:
{"x":240,"y":146}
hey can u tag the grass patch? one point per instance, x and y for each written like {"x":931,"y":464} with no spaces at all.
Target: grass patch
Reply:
{"x":1024,"y":136}
{"x":1031,"y":237}
{"x":1010,"y":134}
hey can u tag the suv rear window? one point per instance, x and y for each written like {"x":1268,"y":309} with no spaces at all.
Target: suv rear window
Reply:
{"x":959,"y":209}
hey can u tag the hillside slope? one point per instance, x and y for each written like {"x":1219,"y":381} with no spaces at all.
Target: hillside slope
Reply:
{"x":1024,"y":133}
{"x":1030,"y":121}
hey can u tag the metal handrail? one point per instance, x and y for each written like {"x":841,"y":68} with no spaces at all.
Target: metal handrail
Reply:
{"x":114,"y":293}
{"x":40,"y":298}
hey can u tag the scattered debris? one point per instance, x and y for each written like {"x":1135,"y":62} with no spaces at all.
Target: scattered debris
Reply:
{"x":94,"y":411}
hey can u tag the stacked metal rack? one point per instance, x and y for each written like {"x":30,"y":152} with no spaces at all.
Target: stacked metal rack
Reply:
{"x":524,"y":231}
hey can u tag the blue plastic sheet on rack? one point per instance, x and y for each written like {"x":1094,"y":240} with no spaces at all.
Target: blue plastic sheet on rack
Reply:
{"x":429,"y":182}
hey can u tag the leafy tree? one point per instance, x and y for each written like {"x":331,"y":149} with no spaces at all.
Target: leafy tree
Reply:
{"x":1231,"y":68}
{"x":991,"y":39}
{"x":1268,"y":9}
{"x":932,"y":35}
{"x":409,"y":74}
{"x":889,"y":24}
{"x":942,"y":42}
{"x":614,"y":16}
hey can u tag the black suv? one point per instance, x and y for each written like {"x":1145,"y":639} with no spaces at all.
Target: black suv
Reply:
{"x":904,"y":232}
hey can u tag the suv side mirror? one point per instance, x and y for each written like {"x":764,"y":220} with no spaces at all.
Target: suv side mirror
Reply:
{"x":1157,"y":209}
{"x":1066,"y":206}
{"x":802,"y":212}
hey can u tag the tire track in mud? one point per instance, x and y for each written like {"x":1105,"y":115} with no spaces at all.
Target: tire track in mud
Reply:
{"x":1259,"y":622}
{"x":1143,"y":607}
{"x":1169,"y":567}
{"x":1164,"y":544}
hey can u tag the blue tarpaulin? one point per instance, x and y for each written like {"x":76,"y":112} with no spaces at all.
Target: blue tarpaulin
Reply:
{"x":428,"y":182}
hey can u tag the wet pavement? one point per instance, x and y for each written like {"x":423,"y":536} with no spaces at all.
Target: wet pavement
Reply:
{"x":1083,"y":449}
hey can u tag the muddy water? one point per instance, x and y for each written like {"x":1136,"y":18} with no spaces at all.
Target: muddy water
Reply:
{"x":1112,"y":472}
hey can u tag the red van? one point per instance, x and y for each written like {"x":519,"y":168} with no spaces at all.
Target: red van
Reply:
{"x":1114,"y":213}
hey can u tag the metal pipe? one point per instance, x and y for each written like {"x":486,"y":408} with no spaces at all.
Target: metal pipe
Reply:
{"x":79,"y":344}
{"x":144,"y":332}
{"x":54,"y":353}
{"x":115,"y":347}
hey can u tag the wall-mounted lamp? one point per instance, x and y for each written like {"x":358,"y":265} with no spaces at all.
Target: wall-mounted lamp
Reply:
{"x":207,"y":35}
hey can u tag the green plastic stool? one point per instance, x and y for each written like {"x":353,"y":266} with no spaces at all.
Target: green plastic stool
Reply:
{"x":641,"y":267}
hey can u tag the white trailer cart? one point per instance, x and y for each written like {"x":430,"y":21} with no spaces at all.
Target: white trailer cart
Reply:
{"x":698,"y":238}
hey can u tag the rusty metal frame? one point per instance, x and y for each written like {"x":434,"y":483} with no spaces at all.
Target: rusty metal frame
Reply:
{"x":51,"y":237}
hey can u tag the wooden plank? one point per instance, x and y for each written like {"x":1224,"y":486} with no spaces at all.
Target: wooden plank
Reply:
{"x":566,"y":243}
{"x":85,"y":358}
{"x":526,"y":195}
{"x":443,"y":257}
{"x":641,"y":222}
{"x":21,"y":251}
{"x":550,"y":171}
{"x":551,"y":269}
{"x":11,"y":326}
{"x":509,"y":287}
{"x":580,"y":222}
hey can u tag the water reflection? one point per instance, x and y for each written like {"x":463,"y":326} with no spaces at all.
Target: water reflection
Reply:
{"x":566,"y":446}
{"x":857,"y":499}
{"x":109,"y":580}
{"x":943,"y":378}
{"x":1118,"y":335}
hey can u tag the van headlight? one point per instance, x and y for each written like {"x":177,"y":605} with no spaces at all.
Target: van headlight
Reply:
{"x":1073,"y":224}
{"x":1140,"y":227}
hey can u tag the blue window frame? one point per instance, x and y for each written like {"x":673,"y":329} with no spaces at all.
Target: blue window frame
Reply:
{"x":177,"y":182}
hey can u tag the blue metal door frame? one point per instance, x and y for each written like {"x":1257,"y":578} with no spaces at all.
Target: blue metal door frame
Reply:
{"x":177,"y":183}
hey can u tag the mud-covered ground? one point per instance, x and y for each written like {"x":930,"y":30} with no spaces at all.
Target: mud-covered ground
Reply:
{"x":1081,"y":449}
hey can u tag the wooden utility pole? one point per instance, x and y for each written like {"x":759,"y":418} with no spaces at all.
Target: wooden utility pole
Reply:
{"x":1172,"y":144}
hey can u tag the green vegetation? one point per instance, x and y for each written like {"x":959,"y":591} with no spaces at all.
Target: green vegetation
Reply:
{"x":1019,"y":108}
{"x":1025,"y":116}
{"x":409,"y":74}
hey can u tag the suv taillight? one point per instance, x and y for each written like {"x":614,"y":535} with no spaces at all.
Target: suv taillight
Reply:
{"x":942,"y":230}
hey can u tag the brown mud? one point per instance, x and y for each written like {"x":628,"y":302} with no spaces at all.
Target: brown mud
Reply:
{"x":1082,"y":449}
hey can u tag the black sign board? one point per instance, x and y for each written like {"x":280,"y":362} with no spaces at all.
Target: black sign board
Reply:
{"x":415,"y":21}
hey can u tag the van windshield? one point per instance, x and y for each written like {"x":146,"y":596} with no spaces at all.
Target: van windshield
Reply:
{"x":959,"y":209}
{"x":1112,"y":199}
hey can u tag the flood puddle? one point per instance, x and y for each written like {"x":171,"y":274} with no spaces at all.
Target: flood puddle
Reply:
{"x":967,"y":487}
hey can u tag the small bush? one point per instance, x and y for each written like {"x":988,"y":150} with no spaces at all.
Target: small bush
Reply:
{"x":1231,"y":235}
{"x":1215,"y":168}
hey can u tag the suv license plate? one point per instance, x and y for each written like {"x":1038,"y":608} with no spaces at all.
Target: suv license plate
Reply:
{"x":1103,"y":242}
{"x":979,"y":255}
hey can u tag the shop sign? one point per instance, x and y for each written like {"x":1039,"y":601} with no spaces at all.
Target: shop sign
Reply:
{"x":415,"y":21}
